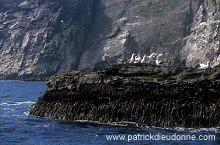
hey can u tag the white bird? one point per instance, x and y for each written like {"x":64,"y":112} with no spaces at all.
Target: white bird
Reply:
{"x":159,"y":62}
{"x":132,"y":59}
{"x":159,"y":59}
{"x":144,"y":59}
{"x":138,"y":59}
{"x":151,"y":57}
{"x":160,"y":55}
{"x":205,"y":66}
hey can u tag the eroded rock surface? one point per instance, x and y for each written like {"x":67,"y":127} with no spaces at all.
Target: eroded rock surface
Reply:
{"x":41,"y":37}
{"x":203,"y":42}
{"x":145,"y":94}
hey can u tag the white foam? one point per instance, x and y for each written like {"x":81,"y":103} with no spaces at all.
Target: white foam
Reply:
{"x":194,"y":130}
{"x":10,"y":81}
{"x":26,"y":113}
{"x":8,"y":109}
{"x":143,"y":126}
{"x":15,"y":103}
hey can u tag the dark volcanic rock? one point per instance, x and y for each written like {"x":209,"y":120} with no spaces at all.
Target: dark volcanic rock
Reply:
{"x":145,"y":94}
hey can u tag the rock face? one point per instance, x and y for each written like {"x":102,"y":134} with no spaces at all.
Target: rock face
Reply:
{"x":145,"y":94}
{"x":41,"y":37}
{"x":203,"y":42}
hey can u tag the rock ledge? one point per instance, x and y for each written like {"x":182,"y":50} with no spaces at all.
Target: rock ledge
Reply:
{"x":146,"y":94}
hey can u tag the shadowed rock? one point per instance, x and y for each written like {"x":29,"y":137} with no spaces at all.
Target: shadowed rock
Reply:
{"x":146,"y":94}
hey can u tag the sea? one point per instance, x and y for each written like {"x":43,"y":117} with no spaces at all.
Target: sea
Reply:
{"x":18,"y":127}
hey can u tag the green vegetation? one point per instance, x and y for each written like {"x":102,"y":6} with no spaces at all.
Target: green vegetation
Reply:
{"x":212,"y":6}
{"x":217,"y":17}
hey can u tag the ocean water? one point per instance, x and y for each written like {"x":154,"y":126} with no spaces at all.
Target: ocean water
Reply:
{"x":17,"y":127}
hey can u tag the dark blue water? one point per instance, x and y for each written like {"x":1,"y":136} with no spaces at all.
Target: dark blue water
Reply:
{"x":17,"y":127}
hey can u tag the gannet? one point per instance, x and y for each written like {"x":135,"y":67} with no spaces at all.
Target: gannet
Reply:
{"x":132,"y":59}
{"x":160,"y":55}
{"x":138,"y":59}
{"x":205,"y":66}
{"x":159,"y":62}
{"x":151,"y":57}
{"x":159,"y":59}
{"x":144,"y":60}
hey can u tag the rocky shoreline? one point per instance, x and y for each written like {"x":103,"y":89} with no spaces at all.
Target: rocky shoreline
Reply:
{"x":141,"y":93}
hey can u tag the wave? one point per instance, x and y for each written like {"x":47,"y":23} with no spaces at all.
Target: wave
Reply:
{"x":143,"y":126}
{"x":16,"y":103}
{"x":10,"y":81}
{"x":197,"y":130}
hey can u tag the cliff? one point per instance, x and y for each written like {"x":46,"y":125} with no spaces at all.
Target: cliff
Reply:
{"x":41,"y":37}
{"x":144,"y":94}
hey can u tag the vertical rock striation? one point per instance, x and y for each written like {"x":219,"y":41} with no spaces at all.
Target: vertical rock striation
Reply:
{"x":144,"y":94}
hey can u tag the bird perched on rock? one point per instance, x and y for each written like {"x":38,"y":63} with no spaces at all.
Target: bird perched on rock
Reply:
{"x":159,"y":62}
{"x":138,"y":59}
{"x":160,"y":55}
{"x":159,"y":59}
{"x":132,"y":59}
{"x":205,"y":66}
{"x":144,"y":59}
{"x":151,"y":57}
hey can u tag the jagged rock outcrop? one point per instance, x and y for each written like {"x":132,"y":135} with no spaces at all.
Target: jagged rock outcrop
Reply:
{"x":203,"y":43}
{"x":145,"y":94}
{"x":41,"y":37}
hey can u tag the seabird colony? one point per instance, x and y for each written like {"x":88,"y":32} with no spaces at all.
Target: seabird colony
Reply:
{"x":138,"y":59}
{"x":153,"y":58}
{"x":157,"y":59}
